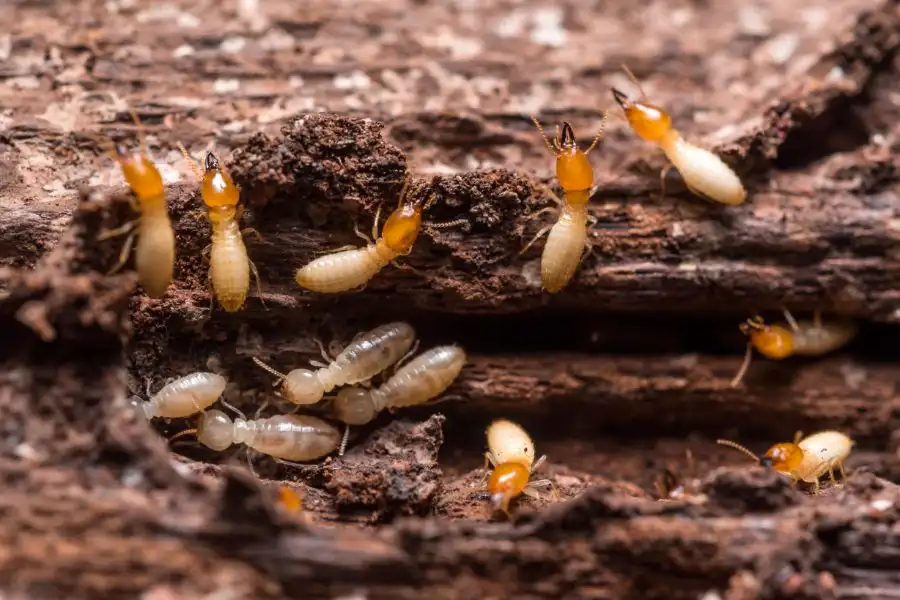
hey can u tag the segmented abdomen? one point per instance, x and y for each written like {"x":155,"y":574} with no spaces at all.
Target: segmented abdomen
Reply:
{"x":294,"y":437}
{"x":421,"y":379}
{"x":154,"y":257}
{"x":563,"y":249}
{"x":705,"y":173}
{"x":370,"y":354}
{"x":343,"y":271}
{"x":187,"y":395}
{"x":229,"y":268}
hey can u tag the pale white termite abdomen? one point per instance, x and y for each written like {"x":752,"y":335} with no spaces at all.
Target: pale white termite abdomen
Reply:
{"x":368,"y":355}
{"x":185,"y":396}
{"x":154,"y":255}
{"x":508,"y":442}
{"x":345,"y":270}
{"x":289,"y":437}
{"x":229,"y":266}
{"x":822,"y":451}
{"x":811,"y":340}
{"x":564,"y":247}
{"x":703,"y":172}
{"x":422,"y":379}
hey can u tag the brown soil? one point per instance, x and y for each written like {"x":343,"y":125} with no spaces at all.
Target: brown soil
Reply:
{"x":318,"y":112}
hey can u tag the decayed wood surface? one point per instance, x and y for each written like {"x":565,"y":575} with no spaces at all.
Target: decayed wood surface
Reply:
{"x":96,"y":507}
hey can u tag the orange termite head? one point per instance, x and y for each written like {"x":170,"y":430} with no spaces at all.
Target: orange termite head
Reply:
{"x":784,"y":457}
{"x":403,"y":226}
{"x":507,"y":481}
{"x":648,"y":121}
{"x":573,"y":169}
{"x":772,"y":341}
{"x":218,"y":189}
{"x":141,"y":174}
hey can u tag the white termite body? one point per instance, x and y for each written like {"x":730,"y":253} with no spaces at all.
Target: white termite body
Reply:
{"x":184,"y":397}
{"x":286,"y":437}
{"x":704,"y":173}
{"x":229,"y":264}
{"x":345,"y":270}
{"x":416,"y":382}
{"x":822,"y":452}
{"x":564,"y":247}
{"x":366,"y":356}
{"x":154,"y":254}
{"x":816,"y":339}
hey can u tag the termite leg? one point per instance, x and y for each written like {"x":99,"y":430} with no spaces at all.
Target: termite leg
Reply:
{"x":328,"y":358}
{"x":250,"y":463}
{"x":662,"y":180}
{"x":831,"y":475}
{"x":123,"y":255}
{"x":797,"y":437}
{"x":111,"y":233}
{"x":537,"y":213}
{"x":335,"y":251}
{"x":205,"y":253}
{"x":790,"y":320}
{"x":212,"y":293}
{"x":374,"y":226}
{"x":840,"y":467}
{"x":817,"y":319}
{"x":259,"y":293}
{"x":816,"y":488}
{"x":363,"y":236}
{"x":344,"y":441}
{"x":538,"y":236}
{"x":488,"y":460}
{"x":748,"y":356}
{"x":400,"y":265}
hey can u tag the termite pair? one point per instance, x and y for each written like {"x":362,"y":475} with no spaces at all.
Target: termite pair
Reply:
{"x":803,"y":338}
{"x":511,"y":453}
{"x":230,"y":267}
{"x":351,"y":268}
{"x":806,"y":459}
{"x":420,"y":380}
{"x":704,"y":173}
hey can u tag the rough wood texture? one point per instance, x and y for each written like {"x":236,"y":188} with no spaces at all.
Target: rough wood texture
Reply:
{"x":319,"y":111}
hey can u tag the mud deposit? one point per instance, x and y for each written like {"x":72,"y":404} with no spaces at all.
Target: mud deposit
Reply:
{"x":318,"y":109}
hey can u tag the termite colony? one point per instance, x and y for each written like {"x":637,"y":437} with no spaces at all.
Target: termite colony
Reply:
{"x":340,"y":390}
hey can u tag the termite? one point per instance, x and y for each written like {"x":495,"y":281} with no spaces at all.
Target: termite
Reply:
{"x":423,"y":378}
{"x":805,"y":459}
{"x":366,"y":356}
{"x":183,"y":397}
{"x":350,"y":269}
{"x":155,"y":251}
{"x":704,"y":173}
{"x":511,"y":453}
{"x":568,"y":241}
{"x":229,"y":264}
{"x":803,"y":338}
{"x":284,"y":437}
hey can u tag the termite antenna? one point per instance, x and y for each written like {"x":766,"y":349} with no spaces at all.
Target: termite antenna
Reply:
{"x":748,"y":356}
{"x":281,"y":376}
{"x":600,"y":133}
{"x":139,"y":129}
{"x":738,"y":447}
{"x":344,"y":441}
{"x":198,"y":172}
{"x":192,"y":431}
{"x":635,"y":81}
{"x":543,"y":133}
